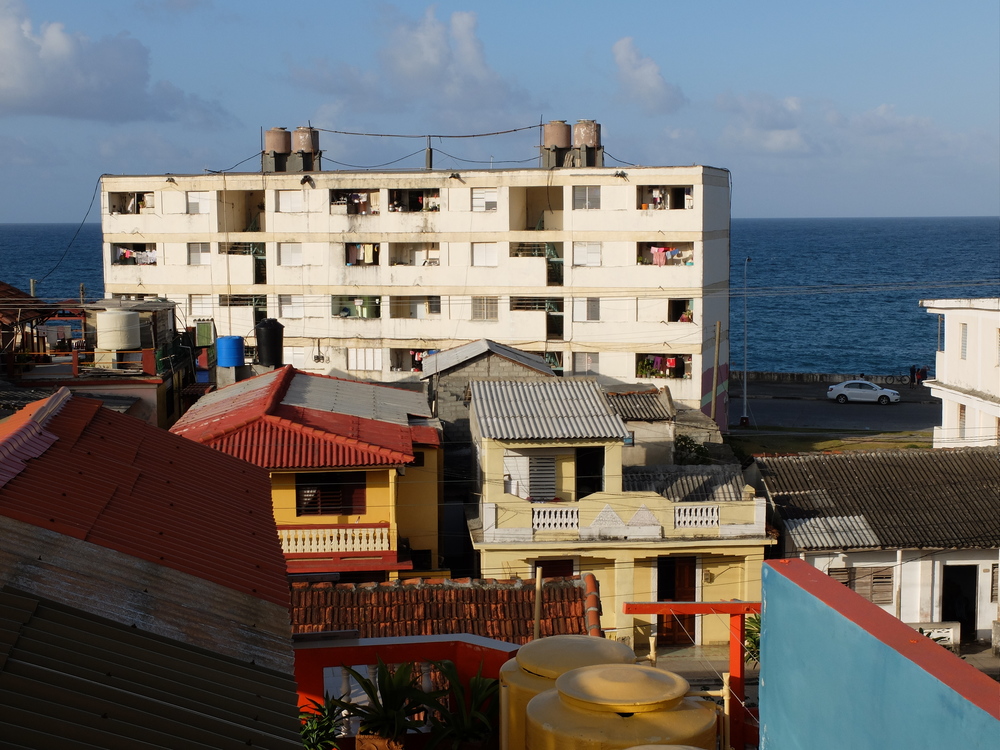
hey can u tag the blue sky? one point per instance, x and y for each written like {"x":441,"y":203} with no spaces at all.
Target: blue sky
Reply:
{"x":818,"y":109}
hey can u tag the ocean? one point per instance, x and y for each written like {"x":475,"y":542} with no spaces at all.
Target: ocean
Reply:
{"x":822,"y":295}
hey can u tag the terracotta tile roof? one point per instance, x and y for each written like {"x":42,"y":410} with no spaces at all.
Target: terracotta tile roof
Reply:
{"x":906,"y":499}
{"x":503,"y":610}
{"x":73,"y":467}
{"x":288,"y":419}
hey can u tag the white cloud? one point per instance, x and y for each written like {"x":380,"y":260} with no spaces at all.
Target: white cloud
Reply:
{"x":766,"y":124}
{"x":642,"y":81}
{"x":50,"y":71}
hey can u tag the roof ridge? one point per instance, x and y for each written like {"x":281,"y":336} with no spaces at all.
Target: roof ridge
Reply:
{"x":334,"y":437}
{"x":279,"y":388}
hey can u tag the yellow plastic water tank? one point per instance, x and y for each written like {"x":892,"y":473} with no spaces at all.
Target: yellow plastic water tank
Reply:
{"x":537,"y":665}
{"x":617,"y":706}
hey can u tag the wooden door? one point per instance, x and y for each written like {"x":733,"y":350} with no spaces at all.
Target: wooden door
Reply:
{"x":675,"y":582}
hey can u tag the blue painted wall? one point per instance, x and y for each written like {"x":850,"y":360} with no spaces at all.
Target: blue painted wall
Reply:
{"x":827,"y":684}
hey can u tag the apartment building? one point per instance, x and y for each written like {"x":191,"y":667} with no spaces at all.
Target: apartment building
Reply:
{"x":967,"y":371}
{"x":616,"y":273}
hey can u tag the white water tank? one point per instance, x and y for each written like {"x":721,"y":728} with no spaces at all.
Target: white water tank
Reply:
{"x":118,"y":330}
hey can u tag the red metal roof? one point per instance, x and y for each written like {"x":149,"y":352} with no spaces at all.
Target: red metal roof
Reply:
{"x":249,"y":421}
{"x":69,"y":465}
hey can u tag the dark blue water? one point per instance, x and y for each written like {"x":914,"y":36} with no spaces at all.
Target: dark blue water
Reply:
{"x":823,"y":295}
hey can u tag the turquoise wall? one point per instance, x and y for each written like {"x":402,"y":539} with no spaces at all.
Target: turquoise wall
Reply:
{"x":826,"y":683}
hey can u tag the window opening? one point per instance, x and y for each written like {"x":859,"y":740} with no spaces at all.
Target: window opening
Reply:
{"x":355,"y":202}
{"x":134,"y":254}
{"x":330,"y":493}
{"x":361,"y":253}
{"x":356,"y":307}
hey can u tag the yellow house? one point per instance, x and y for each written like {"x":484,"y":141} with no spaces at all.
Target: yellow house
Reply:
{"x":553,"y":495}
{"x":355,"y":468}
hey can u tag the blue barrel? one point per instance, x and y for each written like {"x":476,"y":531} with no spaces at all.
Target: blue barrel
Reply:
{"x":270,"y":338}
{"x":230,"y":351}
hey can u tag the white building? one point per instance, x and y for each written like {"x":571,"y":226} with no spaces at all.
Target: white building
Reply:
{"x":622,"y":274}
{"x":967,"y":371}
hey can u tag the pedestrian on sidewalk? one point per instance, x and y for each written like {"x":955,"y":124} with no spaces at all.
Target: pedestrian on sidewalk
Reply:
{"x":913,"y":376}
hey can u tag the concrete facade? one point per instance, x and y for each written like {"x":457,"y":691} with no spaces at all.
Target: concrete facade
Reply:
{"x":967,"y":371}
{"x":369,"y":271}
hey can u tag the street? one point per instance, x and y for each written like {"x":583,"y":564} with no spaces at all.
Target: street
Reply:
{"x":825,"y":414}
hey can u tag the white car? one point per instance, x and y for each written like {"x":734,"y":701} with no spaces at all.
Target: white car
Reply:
{"x":861,"y":390}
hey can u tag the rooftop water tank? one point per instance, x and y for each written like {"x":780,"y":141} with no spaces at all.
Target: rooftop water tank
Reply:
{"x":556,"y":134}
{"x":278,"y":140}
{"x":305,"y":139}
{"x":118,"y":330}
{"x":537,"y":665}
{"x":270,"y":342}
{"x":230,"y":351}
{"x":618,"y":706}
{"x":587,"y":133}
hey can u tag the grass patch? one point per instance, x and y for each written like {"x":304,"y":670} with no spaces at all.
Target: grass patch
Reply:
{"x":778,"y":440}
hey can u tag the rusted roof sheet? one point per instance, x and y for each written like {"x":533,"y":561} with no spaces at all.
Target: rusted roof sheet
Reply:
{"x":450,"y":358}
{"x":641,"y":406}
{"x":17,"y":306}
{"x":686,"y":484}
{"x":907,"y":499}
{"x":495,"y":609}
{"x":120,"y":483}
{"x":288,"y":419}
{"x":551,"y":409}
{"x":73,"y":679}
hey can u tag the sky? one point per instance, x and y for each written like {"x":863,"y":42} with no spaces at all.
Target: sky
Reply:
{"x":849,"y":109}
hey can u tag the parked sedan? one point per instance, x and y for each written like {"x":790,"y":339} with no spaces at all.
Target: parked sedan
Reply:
{"x":861,"y":390}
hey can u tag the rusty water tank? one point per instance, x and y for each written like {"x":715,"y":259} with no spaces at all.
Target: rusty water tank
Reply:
{"x":305,"y":139}
{"x":278,"y":140}
{"x":587,"y":133}
{"x":556,"y":134}
{"x":617,"y":706}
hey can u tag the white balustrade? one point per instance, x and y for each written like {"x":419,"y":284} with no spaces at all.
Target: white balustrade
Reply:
{"x":549,"y":518}
{"x":696,"y":516}
{"x":296,"y":541}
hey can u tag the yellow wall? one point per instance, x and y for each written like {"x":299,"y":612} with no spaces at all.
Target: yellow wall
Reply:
{"x":417,"y":503}
{"x":379,"y":496}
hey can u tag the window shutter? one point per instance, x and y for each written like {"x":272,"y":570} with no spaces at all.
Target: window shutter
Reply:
{"x":593,"y":308}
{"x":542,"y":477}
{"x":580,"y":309}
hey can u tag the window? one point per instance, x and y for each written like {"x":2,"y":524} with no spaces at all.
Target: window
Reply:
{"x":680,"y":311}
{"x":356,"y":307}
{"x":995,"y":583}
{"x":663,"y":365}
{"x":134,"y":254}
{"x":586,"y":308}
{"x":330,"y":493}
{"x":130,"y":203}
{"x":242,"y":300}
{"x":288,"y":201}
{"x":415,"y":200}
{"x":418,"y":459}
{"x":874,"y":584}
{"x":657,"y":254}
{"x":530,"y":477}
{"x":484,"y":308}
{"x":587,"y":197}
{"x":586,"y":253}
{"x":484,"y":199}
{"x":484,"y":253}
{"x":200,"y":305}
{"x":199,"y":254}
{"x":589,"y":470}
{"x":289,"y":253}
{"x":964,"y":328}
{"x":290,"y":306}
{"x":658,"y":197}
{"x":414,"y":307}
{"x":527,"y":304}
{"x":961,"y":421}
{"x":294,"y":356}
{"x":585,"y":363}
{"x":361,"y":253}
{"x":364,"y":359}
{"x":197,"y":203}
{"x":355,"y":202}
{"x":257,"y":249}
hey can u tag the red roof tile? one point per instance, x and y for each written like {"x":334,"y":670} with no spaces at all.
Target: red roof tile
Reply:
{"x":115,"y":481}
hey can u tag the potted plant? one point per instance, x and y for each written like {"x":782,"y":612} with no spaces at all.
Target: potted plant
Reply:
{"x":394,"y":700}
{"x":464,"y":717}
{"x":321,"y":723}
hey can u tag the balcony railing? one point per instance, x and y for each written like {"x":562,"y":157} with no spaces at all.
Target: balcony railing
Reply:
{"x":336,"y":539}
{"x":696,"y":516}
{"x":545,"y":517}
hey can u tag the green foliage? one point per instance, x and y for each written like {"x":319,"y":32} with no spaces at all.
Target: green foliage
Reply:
{"x":687,"y":450}
{"x":463,"y":715}
{"x":752,"y":640}
{"x":394,"y":697}
{"x":321,"y":722}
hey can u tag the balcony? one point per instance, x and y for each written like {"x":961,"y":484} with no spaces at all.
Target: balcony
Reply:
{"x":340,"y":547}
{"x":699,"y":516}
{"x":548,"y":517}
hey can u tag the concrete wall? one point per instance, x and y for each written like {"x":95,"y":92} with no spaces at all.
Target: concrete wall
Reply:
{"x":838,"y":672}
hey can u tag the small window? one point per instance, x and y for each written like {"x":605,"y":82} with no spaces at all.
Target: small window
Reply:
{"x":418,"y":459}
{"x":289,"y":253}
{"x":484,"y":253}
{"x":964,"y":330}
{"x":586,"y":253}
{"x":961,"y":422}
{"x":199,"y":254}
{"x":197,"y":202}
{"x":484,"y":199}
{"x":200,"y":305}
{"x":873,"y":583}
{"x":585,"y":363}
{"x":330,"y":493}
{"x":586,"y":309}
{"x":242,"y":300}
{"x":364,"y":359}
{"x":586,"y":197}
{"x":995,"y":583}
{"x":288,"y":201}
{"x":485,"y":308}
{"x":290,"y":306}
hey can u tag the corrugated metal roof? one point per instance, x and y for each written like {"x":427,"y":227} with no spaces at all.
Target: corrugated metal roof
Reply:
{"x":73,"y":679}
{"x":17,"y":306}
{"x":831,"y":532}
{"x":908,"y":499}
{"x":686,"y":484}
{"x":441,"y":361}
{"x":120,"y":483}
{"x":290,"y":420}
{"x":544,"y":410}
{"x":644,"y":406}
